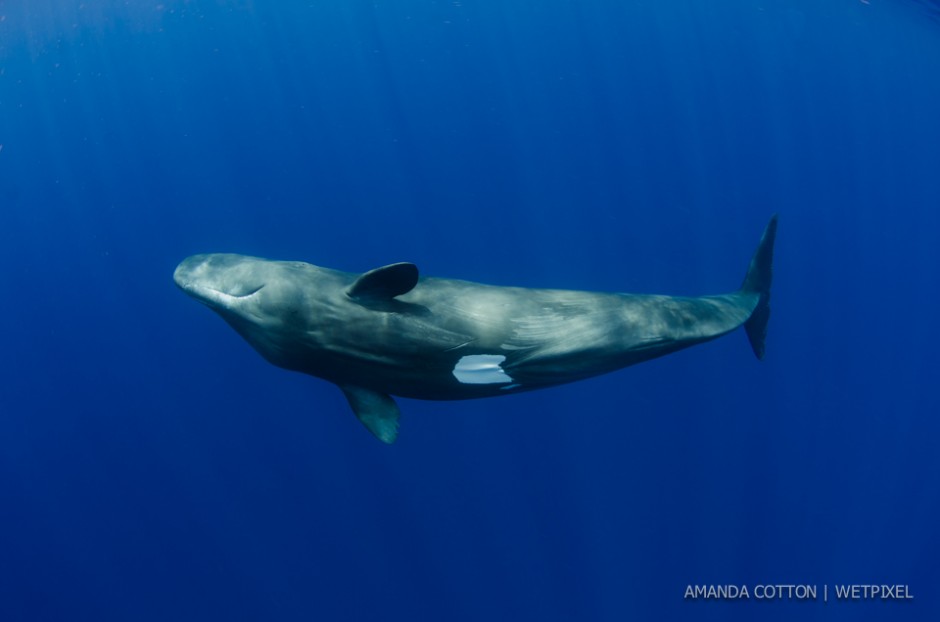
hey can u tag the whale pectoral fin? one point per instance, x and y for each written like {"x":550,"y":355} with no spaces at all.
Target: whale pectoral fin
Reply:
{"x":385,"y":282}
{"x":377,"y":411}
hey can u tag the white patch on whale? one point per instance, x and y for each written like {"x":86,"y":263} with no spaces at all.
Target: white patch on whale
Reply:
{"x":481,"y":369}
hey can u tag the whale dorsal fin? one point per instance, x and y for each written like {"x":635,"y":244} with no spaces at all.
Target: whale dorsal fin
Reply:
{"x":377,"y":411}
{"x":385,"y":282}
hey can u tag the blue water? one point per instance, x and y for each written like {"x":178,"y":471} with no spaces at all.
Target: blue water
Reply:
{"x":154,"y":467}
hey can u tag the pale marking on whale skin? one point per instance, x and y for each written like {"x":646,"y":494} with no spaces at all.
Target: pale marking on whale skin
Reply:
{"x":481,"y":369}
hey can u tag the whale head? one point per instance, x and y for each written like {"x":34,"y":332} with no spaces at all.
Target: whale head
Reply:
{"x":268,"y":302}
{"x":223,"y":281}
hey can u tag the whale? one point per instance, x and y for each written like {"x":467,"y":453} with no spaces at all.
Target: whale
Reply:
{"x":391,"y":332}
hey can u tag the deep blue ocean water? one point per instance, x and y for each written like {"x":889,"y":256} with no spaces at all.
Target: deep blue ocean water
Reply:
{"x":154,"y":467}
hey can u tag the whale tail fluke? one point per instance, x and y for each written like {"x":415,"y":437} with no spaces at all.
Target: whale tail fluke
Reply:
{"x":757,"y":281}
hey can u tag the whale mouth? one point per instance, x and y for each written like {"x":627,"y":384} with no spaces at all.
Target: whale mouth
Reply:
{"x":217,"y":297}
{"x":216,"y":280}
{"x":250,"y":291}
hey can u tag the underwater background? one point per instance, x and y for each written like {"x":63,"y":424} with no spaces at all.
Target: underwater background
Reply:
{"x":154,"y":467}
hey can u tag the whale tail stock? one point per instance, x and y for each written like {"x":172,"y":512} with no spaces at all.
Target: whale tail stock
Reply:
{"x":757,"y":281}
